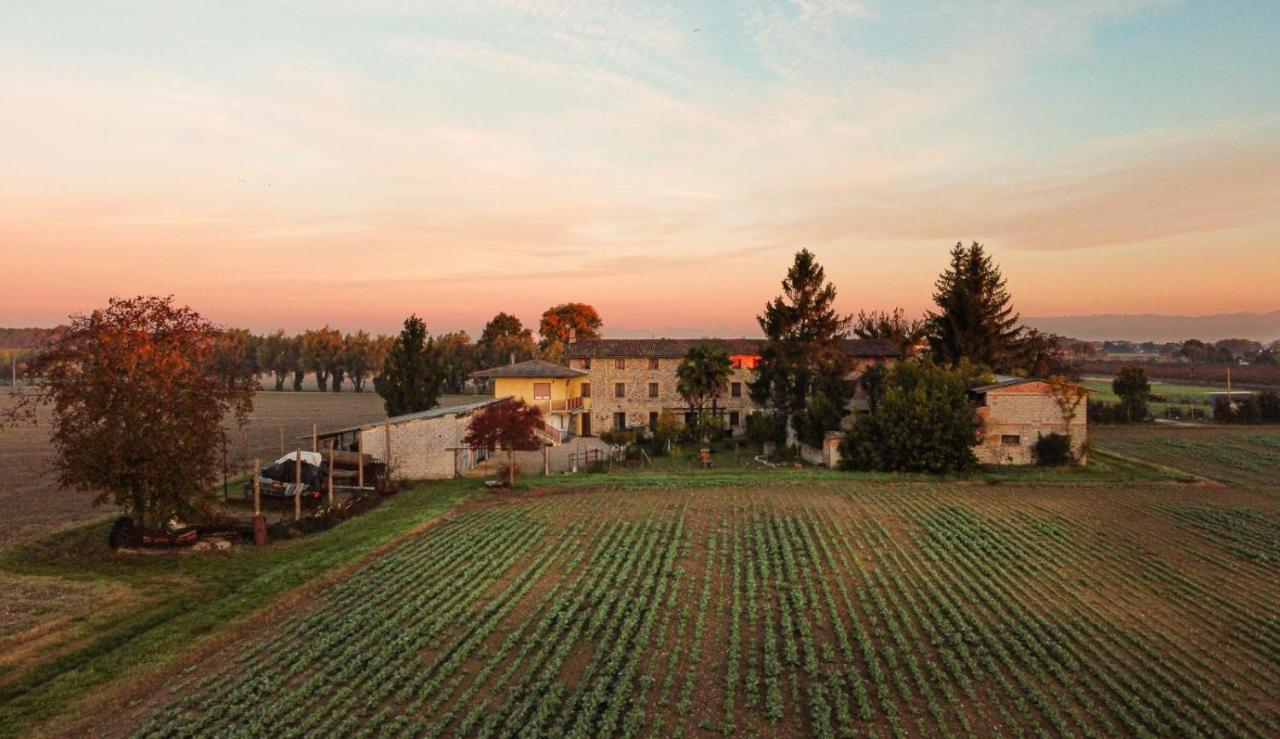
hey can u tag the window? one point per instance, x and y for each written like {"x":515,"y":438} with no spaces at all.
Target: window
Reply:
{"x":585,"y":363}
{"x":1010,"y":440}
{"x":653,"y":420}
{"x":733,"y":418}
{"x":619,"y":363}
{"x":619,"y":390}
{"x":541,"y":391}
{"x":735,"y":389}
{"x":585,"y":390}
{"x":619,"y":422}
{"x":653,"y":390}
{"x":736,"y":362}
{"x":653,"y":363}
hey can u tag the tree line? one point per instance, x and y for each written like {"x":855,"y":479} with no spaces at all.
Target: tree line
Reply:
{"x":334,"y":359}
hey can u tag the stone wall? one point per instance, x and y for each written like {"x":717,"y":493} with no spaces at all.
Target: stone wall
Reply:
{"x":1027,"y":416}
{"x":420,"y":449}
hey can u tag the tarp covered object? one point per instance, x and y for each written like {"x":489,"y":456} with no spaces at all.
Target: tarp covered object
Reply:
{"x":312,"y":458}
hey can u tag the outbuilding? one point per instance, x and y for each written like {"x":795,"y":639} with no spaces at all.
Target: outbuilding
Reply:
{"x":427,"y":445}
{"x":1014,"y":413}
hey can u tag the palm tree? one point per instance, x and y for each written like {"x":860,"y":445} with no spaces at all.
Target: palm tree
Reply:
{"x":702,"y":376}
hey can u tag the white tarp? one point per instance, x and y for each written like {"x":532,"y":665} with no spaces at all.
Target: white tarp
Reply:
{"x":311,"y":458}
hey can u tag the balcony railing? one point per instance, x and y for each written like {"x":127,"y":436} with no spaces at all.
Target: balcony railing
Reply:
{"x":564,"y":405}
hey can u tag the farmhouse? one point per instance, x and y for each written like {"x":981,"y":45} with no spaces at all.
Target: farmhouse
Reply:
{"x":423,"y":446}
{"x":616,"y":384}
{"x":1014,"y":413}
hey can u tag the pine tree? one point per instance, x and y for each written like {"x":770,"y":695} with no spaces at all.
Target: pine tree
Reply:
{"x":974,"y":319}
{"x":802,"y":356}
{"x":412,"y":375}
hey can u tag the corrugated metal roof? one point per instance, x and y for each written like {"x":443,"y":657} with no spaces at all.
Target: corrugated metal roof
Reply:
{"x":674,"y":348}
{"x":440,"y":412}
{"x":529,"y":368}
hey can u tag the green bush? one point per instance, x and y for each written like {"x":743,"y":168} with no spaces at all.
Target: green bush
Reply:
{"x":765,"y":428}
{"x":1053,"y":450}
{"x":923,"y":422}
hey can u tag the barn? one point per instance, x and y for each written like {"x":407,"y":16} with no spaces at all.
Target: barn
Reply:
{"x":423,"y":446}
{"x":1014,"y":412}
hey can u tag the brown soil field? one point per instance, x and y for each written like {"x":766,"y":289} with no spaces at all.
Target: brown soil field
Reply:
{"x":34,"y":504}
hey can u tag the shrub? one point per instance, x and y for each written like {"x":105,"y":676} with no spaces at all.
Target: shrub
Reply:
{"x":923,"y":423}
{"x":819,"y":416}
{"x":1053,"y":450}
{"x":1246,"y":410}
{"x":1269,"y":406}
{"x":763,"y":428}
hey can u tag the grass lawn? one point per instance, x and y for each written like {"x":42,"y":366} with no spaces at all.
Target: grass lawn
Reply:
{"x":168,"y":601}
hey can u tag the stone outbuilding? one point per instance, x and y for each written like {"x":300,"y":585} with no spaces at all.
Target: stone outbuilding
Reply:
{"x":423,"y":446}
{"x":1014,"y":413}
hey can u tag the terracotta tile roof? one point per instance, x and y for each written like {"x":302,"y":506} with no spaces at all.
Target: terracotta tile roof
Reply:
{"x":529,"y":368}
{"x":610,"y":348}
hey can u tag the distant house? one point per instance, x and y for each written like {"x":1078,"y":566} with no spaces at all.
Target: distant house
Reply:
{"x":1014,"y":413}
{"x":423,"y":446}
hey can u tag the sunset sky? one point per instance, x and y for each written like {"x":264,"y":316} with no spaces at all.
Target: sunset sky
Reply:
{"x":351,"y":161}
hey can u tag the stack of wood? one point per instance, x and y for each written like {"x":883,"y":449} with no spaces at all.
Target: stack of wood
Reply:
{"x":347,"y":466}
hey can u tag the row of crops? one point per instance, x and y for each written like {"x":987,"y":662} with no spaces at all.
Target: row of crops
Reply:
{"x":879,"y":611}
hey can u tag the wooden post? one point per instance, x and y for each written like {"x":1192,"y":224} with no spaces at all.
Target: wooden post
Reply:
{"x":282,"y":439}
{"x":360,"y":456}
{"x":13,"y":367}
{"x":259,"y":523}
{"x":546,"y":460}
{"x":330,"y":473}
{"x":315,"y":442}
{"x":297,"y":485}
{"x":224,"y":467}
{"x":386,"y":430}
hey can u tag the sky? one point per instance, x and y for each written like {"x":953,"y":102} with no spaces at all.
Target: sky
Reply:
{"x":289,"y":164}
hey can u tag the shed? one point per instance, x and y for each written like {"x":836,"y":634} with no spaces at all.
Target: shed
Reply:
{"x":1014,"y":412}
{"x":427,"y":445}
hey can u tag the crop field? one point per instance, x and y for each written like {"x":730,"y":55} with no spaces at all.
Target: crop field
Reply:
{"x":820,"y":607}
{"x":1239,"y":455}
{"x":33,"y":503}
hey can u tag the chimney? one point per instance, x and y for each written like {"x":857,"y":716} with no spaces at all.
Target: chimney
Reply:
{"x":512,"y":358}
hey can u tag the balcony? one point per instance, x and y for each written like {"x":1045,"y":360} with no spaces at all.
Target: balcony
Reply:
{"x":566,"y":405}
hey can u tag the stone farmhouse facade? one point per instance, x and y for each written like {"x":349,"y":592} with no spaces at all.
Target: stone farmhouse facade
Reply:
{"x":1013,"y":413}
{"x":617,"y":384}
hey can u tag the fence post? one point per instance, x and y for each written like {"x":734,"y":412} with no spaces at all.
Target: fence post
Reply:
{"x":259,"y":523}
{"x":330,"y":475}
{"x":315,"y":444}
{"x":360,"y":456}
{"x":297,"y":485}
{"x":282,"y":439}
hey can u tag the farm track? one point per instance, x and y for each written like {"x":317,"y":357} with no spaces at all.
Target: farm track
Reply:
{"x":845,"y":609}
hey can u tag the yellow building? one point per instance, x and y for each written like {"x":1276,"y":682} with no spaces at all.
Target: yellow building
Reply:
{"x":554,"y":388}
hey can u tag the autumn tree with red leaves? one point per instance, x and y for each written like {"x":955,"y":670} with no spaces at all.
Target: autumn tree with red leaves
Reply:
{"x":562,"y":322}
{"x":508,"y":425}
{"x":138,"y":402}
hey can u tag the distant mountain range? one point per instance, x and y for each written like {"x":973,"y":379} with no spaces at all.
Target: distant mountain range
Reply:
{"x":1263,"y":327}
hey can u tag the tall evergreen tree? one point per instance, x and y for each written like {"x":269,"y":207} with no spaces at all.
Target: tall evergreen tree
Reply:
{"x":411,"y":377}
{"x":974,"y":319}
{"x":802,"y":355}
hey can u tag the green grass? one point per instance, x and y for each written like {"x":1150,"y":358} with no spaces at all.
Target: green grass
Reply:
{"x":1173,"y":392}
{"x":183,"y":597}
{"x":1236,"y":455}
